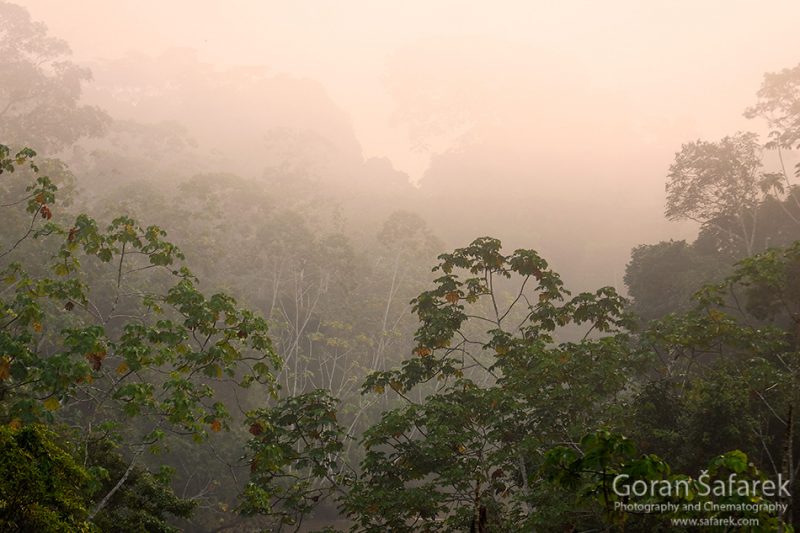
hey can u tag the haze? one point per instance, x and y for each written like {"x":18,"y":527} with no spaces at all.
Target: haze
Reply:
{"x":580,"y":104}
{"x":395,"y":266}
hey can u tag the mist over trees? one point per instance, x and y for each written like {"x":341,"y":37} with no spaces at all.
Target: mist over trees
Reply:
{"x":217,"y":314}
{"x":42,"y":86}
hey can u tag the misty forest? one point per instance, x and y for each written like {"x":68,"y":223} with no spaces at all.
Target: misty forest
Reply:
{"x":454,"y":281}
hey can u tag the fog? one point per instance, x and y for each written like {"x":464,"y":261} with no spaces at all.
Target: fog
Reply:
{"x":314,"y":164}
{"x":570,"y":114}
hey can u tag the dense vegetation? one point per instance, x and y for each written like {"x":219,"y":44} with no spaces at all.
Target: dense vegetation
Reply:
{"x":208,"y":352}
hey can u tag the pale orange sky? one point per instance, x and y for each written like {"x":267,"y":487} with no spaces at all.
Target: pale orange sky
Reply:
{"x":688,"y":66}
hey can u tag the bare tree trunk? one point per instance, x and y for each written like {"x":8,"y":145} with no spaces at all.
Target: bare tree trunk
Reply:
{"x":116,"y":487}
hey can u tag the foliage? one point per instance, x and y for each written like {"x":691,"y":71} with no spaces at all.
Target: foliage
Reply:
{"x":88,"y":340}
{"x":725,"y":373}
{"x":712,"y":182}
{"x":778,"y":104}
{"x":142,"y":502}
{"x":41,"y":486}
{"x":594,"y":470}
{"x":662,"y":277}
{"x":294,"y":458}
{"x":743,"y":207}
{"x":40,"y":94}
{"x":478,"y":421}
{"x":486,"y":391}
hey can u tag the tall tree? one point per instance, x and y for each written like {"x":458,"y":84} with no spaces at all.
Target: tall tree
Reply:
{"x":40,"y":87}
{"x":779,"y":104}
{"x":487,"y":389}
{"x":719,"y":185}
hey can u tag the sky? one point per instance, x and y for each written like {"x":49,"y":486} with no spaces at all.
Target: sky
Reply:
{"x":686,"y":65}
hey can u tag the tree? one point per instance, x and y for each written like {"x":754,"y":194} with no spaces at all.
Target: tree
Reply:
{"x":41,"y":486}
{"x":717,"y":184}
{"x":105,"y":332}
{"x":779,"y":104}
{"x":296,"y":461}
{"x":40,"y":87}
{"x":662,"y":277}
{"x":741,"y":207}
{"x":592,"y":471}
{"x":724,"y":374}
{"x":145,"y":502}
{"x":486,"y":391}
